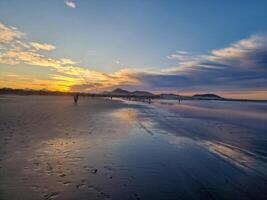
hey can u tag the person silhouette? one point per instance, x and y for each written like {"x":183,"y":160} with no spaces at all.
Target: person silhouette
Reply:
{"x":75,"y":98}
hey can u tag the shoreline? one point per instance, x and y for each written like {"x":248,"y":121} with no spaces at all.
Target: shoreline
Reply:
{"x":155,"y":98}
{"x":113,"y":149}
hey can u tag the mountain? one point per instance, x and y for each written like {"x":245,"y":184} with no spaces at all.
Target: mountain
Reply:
{"x":117,"y":91}
{"x":169,"y":96}
{"x":141,"y":93}
{"x":120,"y":91}
{"x":207,"y":96}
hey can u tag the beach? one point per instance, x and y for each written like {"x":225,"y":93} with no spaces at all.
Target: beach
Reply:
{"x":51,"y":148}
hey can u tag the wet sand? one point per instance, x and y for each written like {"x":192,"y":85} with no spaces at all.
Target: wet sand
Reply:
{"x":51,"y":148}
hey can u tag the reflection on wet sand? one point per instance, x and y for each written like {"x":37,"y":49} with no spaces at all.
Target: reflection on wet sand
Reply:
{"x":240,"y":157}
{"x":126,"y":114}
{"x":103,"y":149}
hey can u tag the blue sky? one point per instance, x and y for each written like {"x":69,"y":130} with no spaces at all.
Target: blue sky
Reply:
{"x":110,"y":36}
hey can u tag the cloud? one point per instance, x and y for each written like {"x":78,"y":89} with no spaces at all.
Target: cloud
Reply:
{"x":16,"y":50}
{"x":30,"y":58}
{"x":66,"y":61}
{"x":118,"y":62}
{"x":238,"y":68}
{"x":8,"y":34}
{"x":40,"y":46}
{"x":86,"y":87}
{"x":178,"y":55}
{"x":183,"y":57}
{"x":70,"y":4}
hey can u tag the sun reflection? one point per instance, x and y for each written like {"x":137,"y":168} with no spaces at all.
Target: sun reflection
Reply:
{"x":61,"y":145}
{"x":58,"y":156}
{"x":126,"y":114}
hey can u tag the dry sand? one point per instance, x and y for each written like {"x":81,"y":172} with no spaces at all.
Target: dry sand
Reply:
{"x":51,"y":148}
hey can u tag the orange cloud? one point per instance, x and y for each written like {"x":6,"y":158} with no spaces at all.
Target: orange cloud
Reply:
{"x":241,"y":66}
{"x":8,"y":34}
{"x":65,"y":73}
{"x":40,"y":46}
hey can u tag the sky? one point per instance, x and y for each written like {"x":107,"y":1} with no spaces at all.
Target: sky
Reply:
{"x":178,"y":46}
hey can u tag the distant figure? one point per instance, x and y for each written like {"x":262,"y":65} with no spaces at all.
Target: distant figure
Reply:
{"x":179,"y":99}
{"x":149,"y":100}
{"x":75,"y":98}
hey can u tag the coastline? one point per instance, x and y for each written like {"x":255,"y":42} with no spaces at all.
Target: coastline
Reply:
{"x":113,"y":149}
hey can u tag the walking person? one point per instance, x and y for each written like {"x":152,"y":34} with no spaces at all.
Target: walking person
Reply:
{"x":75,"y":98}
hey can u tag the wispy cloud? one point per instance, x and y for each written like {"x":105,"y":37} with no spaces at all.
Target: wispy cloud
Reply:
{"x":40,"y":46}
{"x":15,"y":50}
{"x":8,"y":34}
{"x":178,"y":55}
{"x":239,"y":68}
{"x":70,"y":3}
{"x":183,"y":57}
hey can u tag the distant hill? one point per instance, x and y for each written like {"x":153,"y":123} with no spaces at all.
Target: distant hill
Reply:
{"x":142,"y":93}
{"x":207,"y":96}
{"x":169,"y":96}
{"x":120,"y":91}
{"x":32,"y":92}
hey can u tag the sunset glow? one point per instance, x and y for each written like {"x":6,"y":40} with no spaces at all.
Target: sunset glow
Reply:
{"x":29,"y":60}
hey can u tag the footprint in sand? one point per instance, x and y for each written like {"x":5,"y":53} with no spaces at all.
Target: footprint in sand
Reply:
{"x":51,"y":195}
